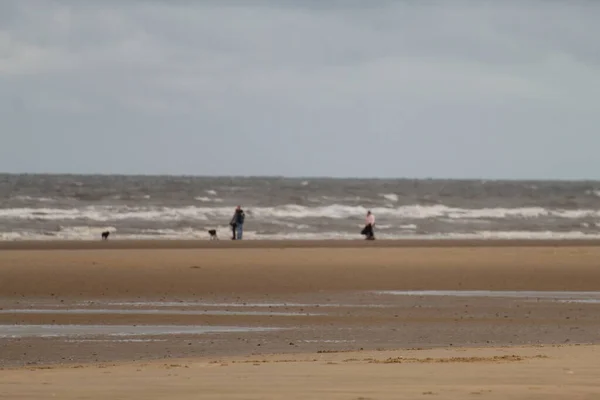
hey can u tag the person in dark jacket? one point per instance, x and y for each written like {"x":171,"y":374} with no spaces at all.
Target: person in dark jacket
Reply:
{"x":237,"y":223}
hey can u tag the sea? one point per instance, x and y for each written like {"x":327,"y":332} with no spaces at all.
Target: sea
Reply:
{"x":80,"y":207}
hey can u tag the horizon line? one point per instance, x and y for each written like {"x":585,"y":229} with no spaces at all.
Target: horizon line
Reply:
{"x":300,"y":177}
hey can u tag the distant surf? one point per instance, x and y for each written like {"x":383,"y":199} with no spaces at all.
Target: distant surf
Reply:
{"x":80,"y":207}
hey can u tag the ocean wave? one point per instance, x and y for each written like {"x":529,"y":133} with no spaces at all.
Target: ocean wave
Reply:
{"x":127,"y":197}
{"x":401,"y":227}
{"x":334,"y":211}
{"x":34,"y":199}
{"x":390,"y":197}
{"x":409,"y":226}
{"x":204,"y":199}
{"x":594,"y":192}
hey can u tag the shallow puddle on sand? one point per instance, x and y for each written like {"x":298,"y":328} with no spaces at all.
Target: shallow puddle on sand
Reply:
{"x":84,"y":311}
{"x":19,"y":331}
{"x":328,"y":341}
{"x":114,"y":340}
{"x":550,"y":295}
{"x":241,"y":305}
{"x":581,"y":301}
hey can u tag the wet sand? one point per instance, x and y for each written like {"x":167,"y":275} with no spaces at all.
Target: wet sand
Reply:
{"x":315,"y":300}
{"x":114,"y":244}
{"x":268,"y":271}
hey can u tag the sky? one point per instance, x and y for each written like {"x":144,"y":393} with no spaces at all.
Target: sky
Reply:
{"x":342,"y":88}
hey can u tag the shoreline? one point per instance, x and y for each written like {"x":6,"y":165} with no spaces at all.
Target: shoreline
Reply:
{"x":137,"y":244}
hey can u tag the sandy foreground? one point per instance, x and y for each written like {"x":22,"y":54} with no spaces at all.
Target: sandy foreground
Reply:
{"x":565,"y":372}
{"x":330,"y":332}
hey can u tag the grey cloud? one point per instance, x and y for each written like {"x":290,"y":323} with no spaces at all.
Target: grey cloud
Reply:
{"x":495,"y":89}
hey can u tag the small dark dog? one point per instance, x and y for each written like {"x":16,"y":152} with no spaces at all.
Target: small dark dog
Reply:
{"x":105,"y":235}
{"x":213,"y":234}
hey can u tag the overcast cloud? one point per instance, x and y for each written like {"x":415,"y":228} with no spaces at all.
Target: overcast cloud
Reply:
{"x":490,"y":89}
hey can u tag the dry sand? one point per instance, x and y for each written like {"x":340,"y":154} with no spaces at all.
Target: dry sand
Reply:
{"x":566,"y":372}
{"x":68,"y":274}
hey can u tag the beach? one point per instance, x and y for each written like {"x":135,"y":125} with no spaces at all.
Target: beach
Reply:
{"x":516,"y":373}
{"x":299,"y":319}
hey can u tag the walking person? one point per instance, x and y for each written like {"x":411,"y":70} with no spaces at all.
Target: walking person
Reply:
{"x":237,"y":223}
{"x":369,"y":229}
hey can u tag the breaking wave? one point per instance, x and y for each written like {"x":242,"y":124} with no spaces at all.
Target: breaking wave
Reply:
{"x":390,"y":197}
{"x":335,"y":211}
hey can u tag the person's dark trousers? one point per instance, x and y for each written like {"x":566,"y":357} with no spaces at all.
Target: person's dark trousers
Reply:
{"x":368,"y":231}
{"x":233,"y":229}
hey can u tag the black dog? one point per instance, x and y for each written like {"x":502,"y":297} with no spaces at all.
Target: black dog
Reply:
{"x":105,"y":235}
{"x":213,"y":234}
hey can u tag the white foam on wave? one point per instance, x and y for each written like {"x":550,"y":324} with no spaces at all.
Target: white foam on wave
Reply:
{"x":333,"y":211}
{"x":289,"y":224}
{"x":112,"y":213}
{"x":208,"y":199}
{"x":64,"y":233}
{"x":390,"y":197}
{"x":34,"y":199}
{"x":211,"y":192}
{"x":383,"y":227}
{"x":594,"y":192}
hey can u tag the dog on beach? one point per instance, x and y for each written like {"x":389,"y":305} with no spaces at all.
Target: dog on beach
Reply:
{"x":105,"y":235}
{"x":213,"y":234}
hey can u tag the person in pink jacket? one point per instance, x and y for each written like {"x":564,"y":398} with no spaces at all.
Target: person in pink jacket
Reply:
{"x":369,"y":229}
